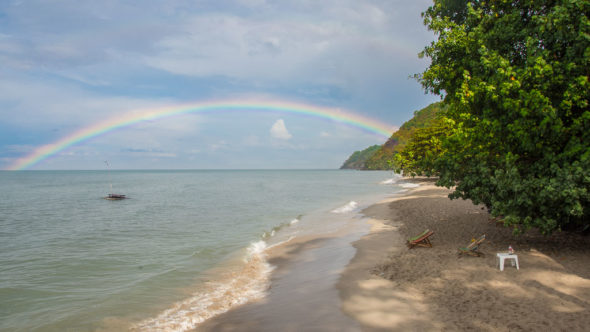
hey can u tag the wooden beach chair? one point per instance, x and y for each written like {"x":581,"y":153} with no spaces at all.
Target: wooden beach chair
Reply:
{"x":420,"y":240}
{"x":473,"y":248}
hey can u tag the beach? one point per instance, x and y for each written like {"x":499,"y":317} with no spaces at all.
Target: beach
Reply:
{"x":381,"y":285}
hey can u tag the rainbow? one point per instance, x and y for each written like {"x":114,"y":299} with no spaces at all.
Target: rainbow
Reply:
{"x":332,"y":114}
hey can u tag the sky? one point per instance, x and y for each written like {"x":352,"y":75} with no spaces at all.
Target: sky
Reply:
{"x":66,"y":65}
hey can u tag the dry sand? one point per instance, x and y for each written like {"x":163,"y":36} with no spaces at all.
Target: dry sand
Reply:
{"x":388,"y":287}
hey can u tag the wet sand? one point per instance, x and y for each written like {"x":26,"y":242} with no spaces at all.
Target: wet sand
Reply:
{"x":325,"y":283}
{"x":303,"y":294}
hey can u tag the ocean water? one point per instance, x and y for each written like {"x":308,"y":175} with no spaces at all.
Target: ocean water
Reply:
{"x":185,"y":246}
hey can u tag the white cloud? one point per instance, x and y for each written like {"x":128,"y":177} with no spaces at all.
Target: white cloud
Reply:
{"x":279,"y":130}
{"x":221,"y":145}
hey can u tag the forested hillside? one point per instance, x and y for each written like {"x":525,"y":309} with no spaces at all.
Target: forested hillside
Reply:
{"x":380,"y":157}
{"x":358,"y":158}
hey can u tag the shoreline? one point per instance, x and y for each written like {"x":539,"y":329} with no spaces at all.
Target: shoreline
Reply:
{"x":302,"y":295}
{"x":363,"y":277}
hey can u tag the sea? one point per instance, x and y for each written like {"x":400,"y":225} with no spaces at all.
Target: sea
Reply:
{"x":185,"y":246}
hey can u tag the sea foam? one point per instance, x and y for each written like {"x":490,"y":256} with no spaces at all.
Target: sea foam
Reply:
{"x":393,"y":180}
{"x":349,"y":207}
{"x":213,"y":298}
{"x":409,"y":185}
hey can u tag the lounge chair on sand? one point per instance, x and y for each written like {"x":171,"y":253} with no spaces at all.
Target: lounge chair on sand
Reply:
{"x":420,"y":240}
{"x":473,"y":248}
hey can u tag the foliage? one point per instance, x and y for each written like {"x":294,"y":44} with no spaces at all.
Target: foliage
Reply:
{"x":383,"y":158}
{"x":515,"y":77}
{"x":358,"y":158}
{"x":423,"y":149}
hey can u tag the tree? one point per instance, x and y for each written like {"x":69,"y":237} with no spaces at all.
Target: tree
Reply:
{"x":423,"y":149}
{"x":383,"y":158}
{"x":514,"y":75}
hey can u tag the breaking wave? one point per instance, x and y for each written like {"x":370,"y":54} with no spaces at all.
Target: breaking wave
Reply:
{"x":249,"y":283}
{"x":393,"y":180}
{"x":349,"y":207}
{"x":274,"y":230}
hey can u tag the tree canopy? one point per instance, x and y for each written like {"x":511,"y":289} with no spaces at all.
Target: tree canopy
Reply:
{"x":516,"y":137}
{"x":383,"y":157}
{"x":358,"y":159}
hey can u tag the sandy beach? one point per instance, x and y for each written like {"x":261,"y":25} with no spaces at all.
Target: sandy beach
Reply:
{"x":388,"y":287}
{"x":334,"y":283}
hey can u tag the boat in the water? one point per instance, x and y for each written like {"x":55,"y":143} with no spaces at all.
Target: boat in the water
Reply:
{"x":115,"y":196}
{"x":111,"y":196}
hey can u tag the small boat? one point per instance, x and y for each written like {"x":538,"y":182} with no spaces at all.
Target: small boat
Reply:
{"x":111,"y":196}
{"x":115,"y":196}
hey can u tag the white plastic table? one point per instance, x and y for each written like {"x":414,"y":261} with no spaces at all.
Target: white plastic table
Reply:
{"x":504,"y":256}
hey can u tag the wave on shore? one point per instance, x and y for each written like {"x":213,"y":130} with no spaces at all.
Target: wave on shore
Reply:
{"x":216,"y":297}
{"x":246,"y":283}
{"x":393,"y":180}
{"x":349,"y":207}
{"x":279,"y":227}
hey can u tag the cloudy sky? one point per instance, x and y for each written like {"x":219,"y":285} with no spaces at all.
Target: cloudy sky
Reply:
{"x":69,"y":64}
